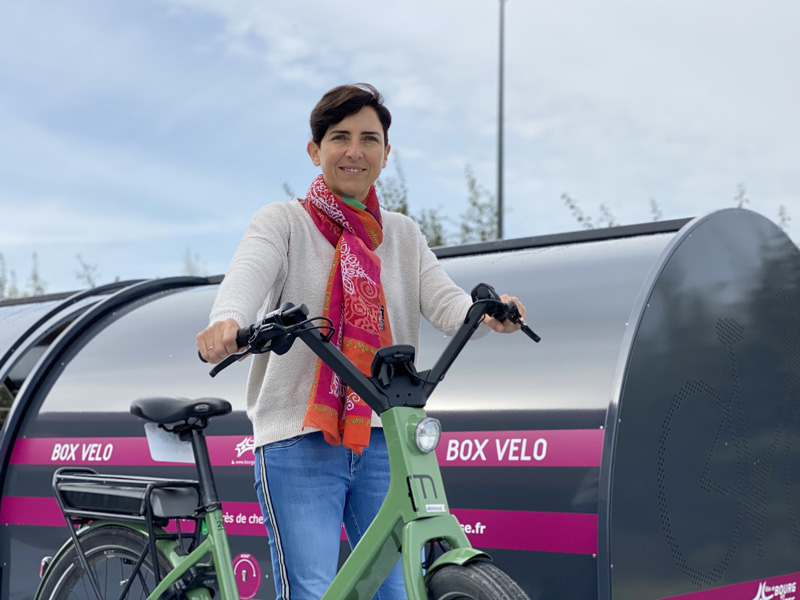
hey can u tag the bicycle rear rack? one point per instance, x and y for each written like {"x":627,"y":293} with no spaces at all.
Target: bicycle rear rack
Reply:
{"x":84,"y":495}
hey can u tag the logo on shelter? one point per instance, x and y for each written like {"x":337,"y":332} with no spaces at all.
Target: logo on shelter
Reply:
{"x":781,"y":592}
{"x":247,"y":445}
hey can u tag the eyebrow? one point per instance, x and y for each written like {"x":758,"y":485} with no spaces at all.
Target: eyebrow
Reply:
{"x":347,"y":131}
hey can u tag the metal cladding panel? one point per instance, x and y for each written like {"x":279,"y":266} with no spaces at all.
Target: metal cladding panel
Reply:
{"x":705,"y":473}
{"x":523,"y":422}
{"x":146,"y":348}
{"x":578,"y":298}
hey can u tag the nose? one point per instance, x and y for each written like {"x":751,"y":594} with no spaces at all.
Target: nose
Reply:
{"x":354,"y":149}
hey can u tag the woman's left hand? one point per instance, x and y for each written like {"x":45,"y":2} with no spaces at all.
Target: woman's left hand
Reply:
{"x":506,"y":326}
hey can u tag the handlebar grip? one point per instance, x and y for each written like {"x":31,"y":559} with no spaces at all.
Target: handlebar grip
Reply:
{"x":483,"y":291}
{"x":243,"y":336}
{"x":242,"y":340}
{"x":292,"y":315}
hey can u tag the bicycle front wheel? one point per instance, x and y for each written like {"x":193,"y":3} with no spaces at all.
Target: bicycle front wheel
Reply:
{"x":112,"y":551}
{"x":478,"y":580}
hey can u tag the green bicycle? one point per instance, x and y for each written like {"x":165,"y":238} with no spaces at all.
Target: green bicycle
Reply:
{"x":120,"y":546}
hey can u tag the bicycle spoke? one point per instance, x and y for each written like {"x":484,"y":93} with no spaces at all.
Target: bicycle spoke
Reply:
{"x":145,"y":589}
{"x":88,"y":592}
{"x":112,"y":553}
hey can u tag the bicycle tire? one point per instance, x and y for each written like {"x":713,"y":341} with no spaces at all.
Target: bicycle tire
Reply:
{"x":477,"y":580}
{"x":111,"y":551}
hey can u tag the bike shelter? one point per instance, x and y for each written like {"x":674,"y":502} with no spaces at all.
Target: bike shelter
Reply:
{"x":646,"y":449}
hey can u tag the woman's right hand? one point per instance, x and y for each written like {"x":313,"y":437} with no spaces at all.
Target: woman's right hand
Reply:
{"x":218,"y":341}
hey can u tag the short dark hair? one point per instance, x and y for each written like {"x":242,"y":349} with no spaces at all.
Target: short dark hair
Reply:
{"x":346,"y":100}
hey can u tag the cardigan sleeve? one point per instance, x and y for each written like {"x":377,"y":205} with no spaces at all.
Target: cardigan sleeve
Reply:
{"x":259,"y":261}
{"x":442,"y":302}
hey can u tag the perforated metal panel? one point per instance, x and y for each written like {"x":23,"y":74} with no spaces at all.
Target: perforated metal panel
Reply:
{"x":703,"y":471}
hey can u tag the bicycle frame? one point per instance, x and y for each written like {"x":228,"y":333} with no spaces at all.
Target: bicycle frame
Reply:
{"x":414,"y":512}
{"x":215,"y":544}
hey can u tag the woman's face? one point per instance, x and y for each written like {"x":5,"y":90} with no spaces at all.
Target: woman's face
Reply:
{"x":352,"y":154}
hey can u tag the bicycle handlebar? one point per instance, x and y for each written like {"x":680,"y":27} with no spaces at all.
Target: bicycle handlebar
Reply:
{"x":277,"y":331}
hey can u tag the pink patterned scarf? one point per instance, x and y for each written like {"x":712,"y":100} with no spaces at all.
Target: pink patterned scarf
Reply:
{"x":355,"y":303}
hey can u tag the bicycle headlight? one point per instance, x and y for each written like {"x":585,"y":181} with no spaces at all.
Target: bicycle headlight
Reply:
{"x":427,"y":434}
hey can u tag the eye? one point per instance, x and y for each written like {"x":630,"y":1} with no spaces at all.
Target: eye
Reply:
{"x":372,"y":138}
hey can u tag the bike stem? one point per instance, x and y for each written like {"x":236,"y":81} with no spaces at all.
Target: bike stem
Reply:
{"x":365,"y":387}
{"x":349,"y":373}
{"x":471,"y":323}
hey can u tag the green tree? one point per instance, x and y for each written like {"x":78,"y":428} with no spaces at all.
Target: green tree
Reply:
{"x":479,"y":221}
{"x":192,"y":266}
{"x":393,"y":194}
{"x":3,"y":276}
{"x":392,"y":189}
{"x":742,"y":200}
{"x":431,"y":225}
{"x":605,"y":219}
{"x":36,"y":284}
{"x":741,"y":196}
{"x":87,"y":273}
{"x":783,"y":217}
{"x":13,"y":289}
{"x":655,"y":210}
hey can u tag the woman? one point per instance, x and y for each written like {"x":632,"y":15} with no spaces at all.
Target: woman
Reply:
{"x":321,"y":457}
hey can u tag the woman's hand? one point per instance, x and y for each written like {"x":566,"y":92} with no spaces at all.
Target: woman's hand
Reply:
{"x":506,"y":326}
{"x":218,"y":341}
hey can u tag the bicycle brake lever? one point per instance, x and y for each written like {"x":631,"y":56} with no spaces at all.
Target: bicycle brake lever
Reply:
{"x":530,"y":332}
{"x":228,"y":362}
{"x":515,"y":317}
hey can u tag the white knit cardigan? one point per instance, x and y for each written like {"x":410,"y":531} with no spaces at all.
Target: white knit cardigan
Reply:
{"x":284,"y":258}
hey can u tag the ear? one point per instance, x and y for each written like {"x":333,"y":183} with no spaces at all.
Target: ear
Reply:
{"x":313,"y":152}
{"x":386,"y":155}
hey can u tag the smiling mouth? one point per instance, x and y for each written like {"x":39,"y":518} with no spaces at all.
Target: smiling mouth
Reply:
{"x":351,"y":170}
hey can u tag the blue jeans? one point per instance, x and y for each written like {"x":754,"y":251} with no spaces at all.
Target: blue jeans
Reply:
{"x":307,"y":489}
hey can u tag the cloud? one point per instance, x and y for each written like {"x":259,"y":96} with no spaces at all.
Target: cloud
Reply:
{"x":97,"y":176}
{"x":178,"y":114}
{"x":55,"y":221}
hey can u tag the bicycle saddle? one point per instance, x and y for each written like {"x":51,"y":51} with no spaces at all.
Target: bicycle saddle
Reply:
{"x":173,"y":410}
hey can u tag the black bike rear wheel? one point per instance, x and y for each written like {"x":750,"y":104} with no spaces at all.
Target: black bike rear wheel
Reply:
{"x":478,"y":580}
{"x":112,"y":552}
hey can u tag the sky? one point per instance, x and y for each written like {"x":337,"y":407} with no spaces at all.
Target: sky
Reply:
{"x":136,"y":134}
